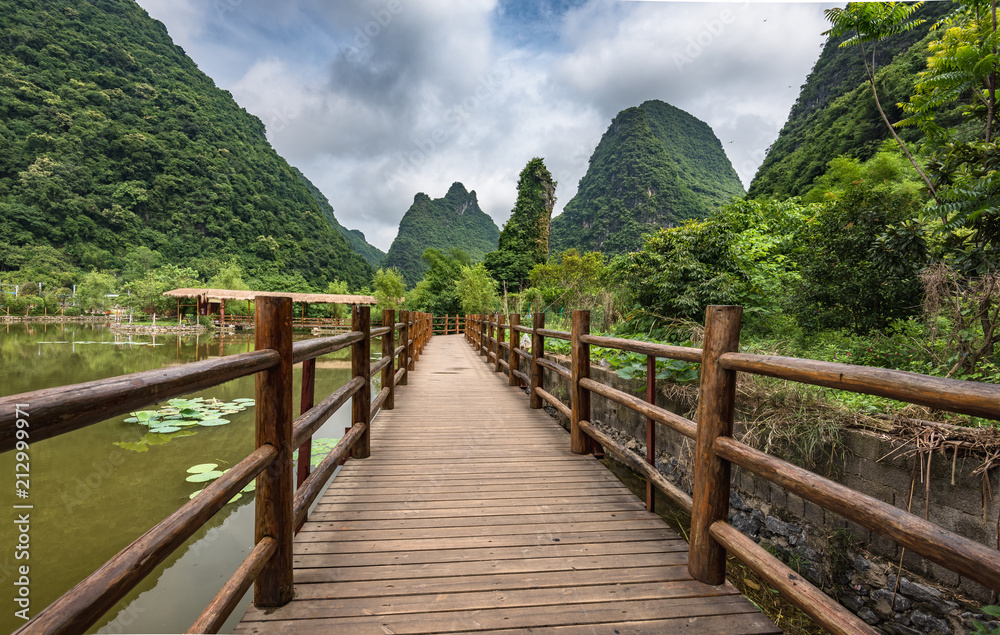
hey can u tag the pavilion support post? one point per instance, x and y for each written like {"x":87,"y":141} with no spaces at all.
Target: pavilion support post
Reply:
{"x":178,"y":311}
{"x":580,"y":410}
{"x":537,"y":353}
{"x":707,"y":558}
{"x":388,"y":351}
{"x":361,"y":367}
{"x":514,"y":360}
{"x":274,"y":493}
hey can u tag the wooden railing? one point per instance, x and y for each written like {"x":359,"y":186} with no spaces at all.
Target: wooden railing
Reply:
{"x":280,"y":508}
{"x":716,"y":451}
{"x":448,"y":324}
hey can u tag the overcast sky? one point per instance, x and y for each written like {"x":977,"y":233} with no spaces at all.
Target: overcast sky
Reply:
{"x":378,"y":100}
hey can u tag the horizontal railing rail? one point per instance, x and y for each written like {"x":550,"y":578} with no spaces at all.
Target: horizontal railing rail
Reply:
{"x":280,"y":512}
{"x":716,"y":451}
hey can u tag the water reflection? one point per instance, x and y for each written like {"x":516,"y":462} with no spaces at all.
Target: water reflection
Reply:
{"x":97,"y":489}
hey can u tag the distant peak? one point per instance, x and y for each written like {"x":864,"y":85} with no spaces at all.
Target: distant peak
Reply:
{"x":457,"y":189}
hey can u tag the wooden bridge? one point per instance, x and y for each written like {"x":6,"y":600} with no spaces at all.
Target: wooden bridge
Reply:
{"x":472,"y":514}
{"x":471,"y":509}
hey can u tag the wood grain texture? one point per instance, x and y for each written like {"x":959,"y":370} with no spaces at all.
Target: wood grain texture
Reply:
{"x":966,"y":397}
{"x":683,"y":353}
{"x":55,"y":411}
{"x":715,"y":419}
{"x":958,"y":553}
{"x":827,"y":612}
{"x":275,"y":487}
{"x":361,"y":367}
{"x":580,"y":396}
{"x":473,"y":515}
{"x":389,"y":352}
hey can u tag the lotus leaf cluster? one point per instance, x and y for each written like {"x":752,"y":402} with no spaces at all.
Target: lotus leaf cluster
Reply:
{"x":181,"y":418}
{"x":207,"y":472}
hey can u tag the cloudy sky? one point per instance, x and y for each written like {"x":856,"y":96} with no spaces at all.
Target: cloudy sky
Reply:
{"x":376,"y":100}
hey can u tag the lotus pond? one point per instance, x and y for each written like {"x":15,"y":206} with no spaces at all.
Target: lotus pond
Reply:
{"x":97,"y":489}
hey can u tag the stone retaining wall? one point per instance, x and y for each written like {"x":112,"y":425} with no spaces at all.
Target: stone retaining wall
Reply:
{"x":849,"y":562}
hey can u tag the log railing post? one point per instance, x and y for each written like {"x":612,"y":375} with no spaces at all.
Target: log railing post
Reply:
{"x":361,"y":367}
{"x":707,"y":558}
{"x":389,"y":350}
{"x":404,"y":337}
{"x":483,"y":342}
{"x":307,"y":401}
{"x":650,"y":430}
{"x":418,"y":333}
{"x":500,"y":322}
{"x":273,"y":394}
{"x":514,"y":360}
{"x":537,"y":353}
{"x":580,"y":410}
{"x":411,"y":341}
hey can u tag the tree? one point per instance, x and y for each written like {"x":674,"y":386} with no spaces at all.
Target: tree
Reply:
{"x":477,"y":291}
{"x":93,"y":292}
{"x":872,"y":22}
{"x":860,"y":261}
{"x":437,"y":293}
{"x":524,"y":241}
{"x":745,"y":254}
{"x":389,"y":288}
{"x":230,"y":277}
{"x":147,"y":291}
{"x":961,"y":79}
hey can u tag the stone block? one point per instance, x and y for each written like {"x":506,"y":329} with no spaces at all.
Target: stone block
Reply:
{"x":814,"y":514}
{"x":795,"y":505}
{"x":929,"y":624}
{"x":777,"y":495}
{"x":884,"y":599}
{"x":974,"y":590}
{"x":862,"y":444}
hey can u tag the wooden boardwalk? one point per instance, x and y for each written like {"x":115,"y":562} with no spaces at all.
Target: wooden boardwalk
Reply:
{"x":472,"y":515}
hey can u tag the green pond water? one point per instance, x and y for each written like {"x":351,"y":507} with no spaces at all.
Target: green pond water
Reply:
{"x":95,"y":490}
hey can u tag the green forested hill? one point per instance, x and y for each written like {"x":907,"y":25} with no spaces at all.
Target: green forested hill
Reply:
{"x":111,"y":138}
{"x":655,"y":166}
{"x":355,"y":238}
{"x":454,"y":221}
{"x":835,"y":113}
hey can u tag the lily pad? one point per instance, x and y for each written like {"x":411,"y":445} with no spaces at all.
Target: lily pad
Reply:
{"x":193,"y":494}
{"x":132,"y":420}
{"x":164,"y":429}
{"x":190,"y":413}
{"x":213,"y":422}
{"x":203,"y":467}
{"x":203,"y":477}
{"x":235,"y":498}
{"x":251,"y":486}
{"x":244,"y":400}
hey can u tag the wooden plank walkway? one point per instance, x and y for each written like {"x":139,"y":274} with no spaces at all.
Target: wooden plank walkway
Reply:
{"x":472,"y":515}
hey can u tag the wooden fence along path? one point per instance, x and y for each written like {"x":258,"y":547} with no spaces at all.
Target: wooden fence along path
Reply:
{"x":462,"y":509}
{"x":472,"y":514}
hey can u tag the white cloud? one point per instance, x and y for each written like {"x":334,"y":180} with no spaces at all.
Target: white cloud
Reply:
{"x":379,"y":99}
